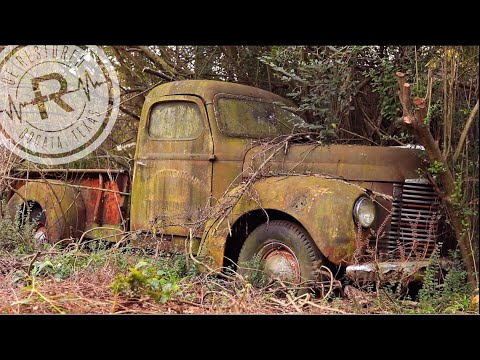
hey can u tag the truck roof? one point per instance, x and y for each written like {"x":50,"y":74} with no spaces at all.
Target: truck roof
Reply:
{"x":207,"y":89}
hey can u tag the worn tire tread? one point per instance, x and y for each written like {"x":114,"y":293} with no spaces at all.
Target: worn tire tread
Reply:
{"x":300,"y":235}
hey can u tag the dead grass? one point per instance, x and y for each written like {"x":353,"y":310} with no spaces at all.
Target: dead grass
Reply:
{"x":89,"y":291}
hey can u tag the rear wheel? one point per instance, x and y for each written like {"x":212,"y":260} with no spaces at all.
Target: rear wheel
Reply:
{"x":284,"y":251}
{"x":35,"y":215}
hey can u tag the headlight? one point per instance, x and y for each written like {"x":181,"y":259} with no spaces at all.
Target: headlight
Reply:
{"x":364,"y":212}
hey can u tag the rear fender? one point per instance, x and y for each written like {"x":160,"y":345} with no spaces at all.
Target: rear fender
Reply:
{"x":64,"y":207}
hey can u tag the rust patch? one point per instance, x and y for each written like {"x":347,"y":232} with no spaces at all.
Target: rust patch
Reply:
{"x":299,"y":204}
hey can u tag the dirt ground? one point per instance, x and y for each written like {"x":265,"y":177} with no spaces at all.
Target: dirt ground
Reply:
{"x":90,"y":292}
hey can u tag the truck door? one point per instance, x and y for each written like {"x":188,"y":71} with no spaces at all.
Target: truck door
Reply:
{"x":172,"y":179}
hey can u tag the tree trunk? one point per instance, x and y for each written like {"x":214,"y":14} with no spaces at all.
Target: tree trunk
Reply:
{"x":414,"y":121}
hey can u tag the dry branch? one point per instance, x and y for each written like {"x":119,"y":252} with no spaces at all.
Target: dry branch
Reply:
{"x":465,"y":132}
{"x":415,"y":122}
{"x":159,"y":61}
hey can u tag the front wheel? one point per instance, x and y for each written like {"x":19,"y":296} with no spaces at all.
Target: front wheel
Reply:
{"x":284,"y":251}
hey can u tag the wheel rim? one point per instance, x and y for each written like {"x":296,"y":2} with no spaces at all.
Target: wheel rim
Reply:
{"x":280,"y":262}
{"x":41,"y":233}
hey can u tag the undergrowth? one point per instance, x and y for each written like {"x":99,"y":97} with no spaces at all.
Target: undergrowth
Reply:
{"x":445,"y":288}
{"x":147,"y":279}
{"x":254,"y":273}
{"x":13,"y":238}
{"x":136,"y":276}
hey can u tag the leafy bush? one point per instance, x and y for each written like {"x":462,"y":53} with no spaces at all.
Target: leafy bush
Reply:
{"x":14,"y":238}
{"x":254,"y":273}
{"x":146,"y":279}
{"x":450,"y":295}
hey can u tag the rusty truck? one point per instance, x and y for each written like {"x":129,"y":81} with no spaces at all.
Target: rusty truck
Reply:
{"x":200,"y":146}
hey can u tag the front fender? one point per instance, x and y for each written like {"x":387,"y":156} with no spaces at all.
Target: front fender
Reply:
{"x":323,"y":206}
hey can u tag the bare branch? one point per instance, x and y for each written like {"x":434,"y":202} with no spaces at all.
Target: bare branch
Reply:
{"x":128,"y":112}
{"x":159,"y":74}
{"x":158,"y":61}
{"x":463,"y":136}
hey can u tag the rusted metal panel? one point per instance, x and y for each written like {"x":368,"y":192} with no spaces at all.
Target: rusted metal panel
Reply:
{"x":314,"y":201}
{"x":207,"y":89}
{"x":172,"y":177}
{"x":87,"y":198}
{"x":93,"y":200}
{"x":368,"y":272}
{"x":103,"y":207}
{"x":351,"y":162}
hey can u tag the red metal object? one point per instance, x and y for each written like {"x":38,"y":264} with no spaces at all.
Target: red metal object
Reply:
{"x":281,"y":262}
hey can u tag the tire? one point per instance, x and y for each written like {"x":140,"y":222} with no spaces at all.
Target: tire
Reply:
{"x":64,"y":210}
{"x":39,"y":217}
{"x":283,"y":250}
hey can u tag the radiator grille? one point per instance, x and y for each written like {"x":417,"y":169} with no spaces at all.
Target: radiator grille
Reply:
{"x":414,"y":221}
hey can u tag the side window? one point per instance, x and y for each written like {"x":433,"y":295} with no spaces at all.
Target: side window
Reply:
{"x":175,"y":120}
{"x":245,"y":117}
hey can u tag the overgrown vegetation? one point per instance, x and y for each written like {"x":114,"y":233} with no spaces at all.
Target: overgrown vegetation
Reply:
{"x":347,"y":94}
{"x":96,"y":277}
{"x":14,"y":238}
{"x":156,"y":279}
{"x":445,"y":288}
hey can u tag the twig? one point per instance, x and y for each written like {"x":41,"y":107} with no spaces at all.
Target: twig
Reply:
{"x":33,"y":260}
{"x":325,"y":307}
{"x":463,"y":136}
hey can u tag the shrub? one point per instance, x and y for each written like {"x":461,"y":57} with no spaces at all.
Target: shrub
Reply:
{"x":15,"y":238}
{"x":447,"y":293}
{"x":146,"y":279}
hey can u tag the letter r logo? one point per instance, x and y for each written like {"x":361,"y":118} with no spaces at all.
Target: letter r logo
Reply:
{"x":40,"y":99}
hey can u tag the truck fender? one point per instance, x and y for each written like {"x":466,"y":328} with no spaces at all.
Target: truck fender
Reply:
{"x":323,"y":206}
{"x":64,"y":207}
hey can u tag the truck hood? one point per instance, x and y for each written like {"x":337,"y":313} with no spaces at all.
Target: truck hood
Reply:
{"x":351,"y":162}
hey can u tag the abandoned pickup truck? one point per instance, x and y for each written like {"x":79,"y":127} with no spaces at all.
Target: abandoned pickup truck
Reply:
{"x":208,"y":169}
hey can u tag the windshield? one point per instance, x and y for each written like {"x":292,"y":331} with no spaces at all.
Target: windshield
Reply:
{"x":242,"y":117}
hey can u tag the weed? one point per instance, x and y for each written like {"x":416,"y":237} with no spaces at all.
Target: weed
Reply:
{"x":448,"y":295}
{"x":254,"y":273}
{"x":146,"y":279}
{"x":15,"y":238}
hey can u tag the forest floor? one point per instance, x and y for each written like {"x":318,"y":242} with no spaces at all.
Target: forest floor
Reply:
{"x":104,"y":282}
{"x":129,"y":281}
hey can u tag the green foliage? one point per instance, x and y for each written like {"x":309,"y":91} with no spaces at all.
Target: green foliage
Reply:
{"x":450,"y":295}
{"x":179,"y":265}
{"x":254,"y":273}
{"x":322,"y":83}
{"x":14,"y":238}
{"x":147,"y":279}
{"x":436,"y":168}
{"x":67,"y":263}
{"x":385,"y":85}
{"x":434,"y":110}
